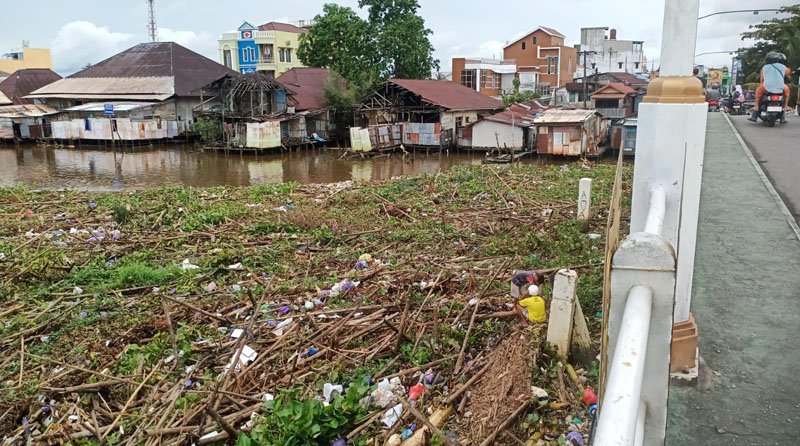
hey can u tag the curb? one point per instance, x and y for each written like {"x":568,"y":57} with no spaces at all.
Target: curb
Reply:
{"x":770,"y":188}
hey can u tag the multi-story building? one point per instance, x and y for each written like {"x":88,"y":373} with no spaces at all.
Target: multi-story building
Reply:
{"x":271,"y":47}
{"x":605,"y":54}
{"x":540,"y":61}
{"x":26,"y":58}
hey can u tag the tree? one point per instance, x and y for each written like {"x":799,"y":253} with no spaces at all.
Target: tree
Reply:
{"x":781,"y":35}
{"x":392,"y":42}
{"x":342,"y":41}
{"x":403,"y":43}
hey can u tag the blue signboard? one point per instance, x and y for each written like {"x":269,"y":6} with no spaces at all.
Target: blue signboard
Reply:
{"x":109,"y":109}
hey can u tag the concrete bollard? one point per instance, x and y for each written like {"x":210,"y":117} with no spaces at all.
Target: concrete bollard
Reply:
{"x":562,"y":311}
{"x":584,"y":202}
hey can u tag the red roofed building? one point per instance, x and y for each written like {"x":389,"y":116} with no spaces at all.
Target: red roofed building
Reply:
{"x":422,"y":112}
{"x":308,"y":86}
{"x":615,"y":100}
{"x":540,"y":60}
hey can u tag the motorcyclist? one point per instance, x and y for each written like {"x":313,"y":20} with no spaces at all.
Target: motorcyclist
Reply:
{"x":773,"y":74}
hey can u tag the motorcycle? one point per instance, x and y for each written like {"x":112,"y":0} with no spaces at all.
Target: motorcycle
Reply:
{"x":713,"y":105}
{"x":771,"y":108}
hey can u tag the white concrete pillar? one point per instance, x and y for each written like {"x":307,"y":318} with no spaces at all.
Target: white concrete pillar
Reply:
{"x":584,"y":200}
{"x":670,"y":145}
{"x":642,"y":260}
{"x":562,"y":311}
{"x":679,"y":37}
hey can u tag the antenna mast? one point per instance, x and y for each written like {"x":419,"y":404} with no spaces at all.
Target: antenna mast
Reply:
{"x":151,"y":22}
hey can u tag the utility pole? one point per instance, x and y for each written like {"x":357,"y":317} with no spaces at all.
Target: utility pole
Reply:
{"x":151,"y":22}
{"x":585,"y":77}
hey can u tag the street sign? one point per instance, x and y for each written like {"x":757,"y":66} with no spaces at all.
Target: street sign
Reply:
{"x":109,"y":109}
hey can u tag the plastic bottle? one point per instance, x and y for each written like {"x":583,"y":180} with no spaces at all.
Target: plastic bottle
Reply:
{"x":535,"y":306}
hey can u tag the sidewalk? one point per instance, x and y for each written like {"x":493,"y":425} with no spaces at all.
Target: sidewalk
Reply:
{"x":746,"y":302}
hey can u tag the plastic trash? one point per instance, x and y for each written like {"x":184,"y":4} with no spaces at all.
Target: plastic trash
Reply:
{"x":535,"y":307}
{"x":365,"y":257}
{"x":77,"y":290}
{"x":539,"y":393}
{"x":575,"y":439}
{"x":416,"y":391}
{"x":361,"y":264}
{"x":284,"y":310}
{"x":394,"y":440}
{"x":2,"y":257}
{"x":283,"y":325}
{"x":328,"y":389}
{"x":211,"y":287}
{"x":268,"y":397}
{"x":339,"y":442}
{"x":235,"y":288}
{"x":392,"y":415}
{"x":187,"y":265}
{"x":92,"y":205}
{"x":589,"y":396}
{"x":472,"y":302}
{"x":308,"y":305}
{"x":237,"y":333}
{"x":236,"y":267}
{"x":407,"y":433}
{"x":312,"y":351}
{"x":247,"y":356}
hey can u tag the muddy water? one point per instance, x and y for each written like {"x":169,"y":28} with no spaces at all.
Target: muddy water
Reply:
{"x":47,"y":167}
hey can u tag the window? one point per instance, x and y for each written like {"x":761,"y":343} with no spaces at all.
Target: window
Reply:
{"x":282,"y":55}
{"x":483,"y":78}
{"x":226,"y":58}
{"x":620,"y":65}
{"x":468,"y":79}
{"x":534,"y":40}
{"x":245,"y":56}
{"x":552,"y":64}
{"x":265,"y":51}
{"x":523,"y":45}
{"x":252,"y":52}
{"x":594,"y":65}
{"x":288,"y":55}
{"x":636,"y":64}
{"x":87,"y":125}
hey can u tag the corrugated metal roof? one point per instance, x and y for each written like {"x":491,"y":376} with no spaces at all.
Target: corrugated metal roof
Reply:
{"x":308,"y":86}
{"x":118,"y":106}
{"x":4,"y":99}
{"x":614,"y":89}
{"x":107,"y":87}
{"x":21,"y":82}
{"x":564,"y":116}
{"x":278,"y":26}
{"x":511,"y":118}
{"x":186,"y":70}
{"x":447,"y":94}
{"x":26,"y":111}
{"x":544,"y":29}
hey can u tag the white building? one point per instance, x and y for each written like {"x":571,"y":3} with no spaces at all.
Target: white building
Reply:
{"x":606,"y":54}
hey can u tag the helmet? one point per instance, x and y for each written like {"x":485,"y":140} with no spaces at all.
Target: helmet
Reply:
{"x":773,"y":57}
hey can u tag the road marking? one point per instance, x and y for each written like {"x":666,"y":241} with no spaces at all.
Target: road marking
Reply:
{"x":770,"y":188}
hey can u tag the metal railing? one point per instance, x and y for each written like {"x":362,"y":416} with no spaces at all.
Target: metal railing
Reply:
{"x":640,"y":322}
{"x":612,"y":112}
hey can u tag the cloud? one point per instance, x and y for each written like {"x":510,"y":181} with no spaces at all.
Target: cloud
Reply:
{"x":79,"y":43}
{"x":202,"y":43}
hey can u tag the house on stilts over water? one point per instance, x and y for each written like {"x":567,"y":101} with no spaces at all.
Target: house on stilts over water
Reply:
{"x":418,"y":113}
{"x":148,"y":92}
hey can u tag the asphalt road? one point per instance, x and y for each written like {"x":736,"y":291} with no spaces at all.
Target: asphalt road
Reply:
{"x":778,"y":152}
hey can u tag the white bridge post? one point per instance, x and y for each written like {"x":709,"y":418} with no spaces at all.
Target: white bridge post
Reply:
{"x":670,"y":146}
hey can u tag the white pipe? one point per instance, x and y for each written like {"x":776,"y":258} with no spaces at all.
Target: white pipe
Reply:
{"x":658,"y":208}
{"x":639,"y":437}
{"x":679,"y":37}
{"x":620,"y":410}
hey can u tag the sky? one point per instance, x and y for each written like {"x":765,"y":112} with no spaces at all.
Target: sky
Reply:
{"x":89,"y":31}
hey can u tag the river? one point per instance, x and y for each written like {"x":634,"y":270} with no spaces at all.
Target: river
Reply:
{"x":55,"y":168}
